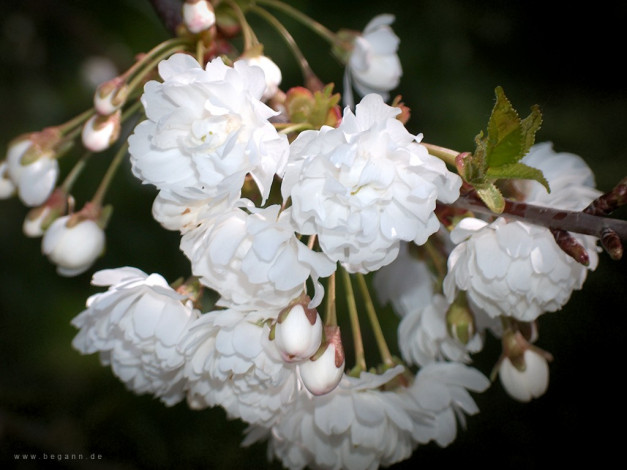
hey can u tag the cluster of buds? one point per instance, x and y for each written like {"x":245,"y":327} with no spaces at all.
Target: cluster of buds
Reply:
{"x":300,"y":337}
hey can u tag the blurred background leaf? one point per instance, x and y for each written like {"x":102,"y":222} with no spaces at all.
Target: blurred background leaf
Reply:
{"x":454,"y":53}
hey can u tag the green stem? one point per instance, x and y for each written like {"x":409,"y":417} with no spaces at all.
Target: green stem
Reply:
{"x":312,"y":24}
{"x":331,"y":311}
{"x":250,"y":40}
{"x":75,"y":122}
{"x":447,"y":155}
{"x":108,"y":177}
{"x":360,"y":356}
{"x":374,"y":321}
{"x":288,"y":128}
{"x":289,"y":39}
{"x":76,"y":170}
{"x":168,"y":46}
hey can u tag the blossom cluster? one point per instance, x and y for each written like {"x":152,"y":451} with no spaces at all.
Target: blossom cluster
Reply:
{"x":272,"y":202}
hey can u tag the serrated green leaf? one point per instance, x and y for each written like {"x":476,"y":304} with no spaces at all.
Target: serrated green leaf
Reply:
{"x":505,"y":138}
{"x":492,"y":197}
{"x":530,"y":125}
{"x":518,"y":171}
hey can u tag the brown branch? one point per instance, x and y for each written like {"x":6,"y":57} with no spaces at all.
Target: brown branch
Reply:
{"x":170,"y":12}
{"x":557,"y":219}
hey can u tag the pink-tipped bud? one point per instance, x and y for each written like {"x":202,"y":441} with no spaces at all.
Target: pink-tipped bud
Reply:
{"x":323,"y":372}
{"x":298,"y":332}
{"x":198,"y":15}
{"x":100,"y":132}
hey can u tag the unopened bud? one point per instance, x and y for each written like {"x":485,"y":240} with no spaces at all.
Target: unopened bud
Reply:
{"x":110,"y":96}
{"x":32,"y":165}
{"x":271,"y":71}
{"x":298,"y":331}
{"x":526,"y":378}
{"x":40,"y":218}
{"x":460,"y":322}
{"x":100,"y":132}
{"x":323,"y":372}
{"x":198,"y":15}
{"x":7,"y":186}
{"x":571,"y":246}
{"x":73,"y":242}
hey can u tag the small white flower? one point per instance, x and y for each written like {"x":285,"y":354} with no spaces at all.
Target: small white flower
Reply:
{"x":100,"y":132}
{"x":440,"y":390}
{"x":7,"y":186}
{"x":366,"y":186}
{"x":229,"y":361}
{"x":298,"y":333}
{"x":254,"y":261}
{"x":35,"y":180}
{"x":206,"y":130}
{"x":73,"y":248}
{"x":517,"y":269}
{"x":198,"y":15}
{"x":531,"y":382}
{"x":135,"y":327}
{"x":374,"y":65}
{"x":356,"y":426}
{"x":271,"y":71}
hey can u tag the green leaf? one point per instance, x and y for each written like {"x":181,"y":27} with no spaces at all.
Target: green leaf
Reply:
{"x":492,"y":198}
{"x":530,"y":125}
{"x":505,"y":134}
{"x":518,"y":171}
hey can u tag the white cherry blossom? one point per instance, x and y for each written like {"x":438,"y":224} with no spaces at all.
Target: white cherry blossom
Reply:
{"x":254,"y":261}
{"x":366,"y":186}
{"x":272,"y":74}
{"x":517,"y":269}
{"x":134,"y":327}
{"x":356,"y":426}
{"x":206,"y":129}
{"x":374,"y":65}
{"x":229,"y":361}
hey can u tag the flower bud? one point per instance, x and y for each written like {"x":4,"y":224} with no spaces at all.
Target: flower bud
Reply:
{"x":40,"y":218}
{"x":298,"y":332}
{"x":271,"y":71}
{"x":32,"y":166}
{"x":7,"y":186}
{"x":198,"y":15}
{"x":460,"y":322}
{"x":100,"y":132}
{"x":73,"y":243}
{"x":323,"y":371}
{"x":110,"y":96}
{"x":525,"y":378}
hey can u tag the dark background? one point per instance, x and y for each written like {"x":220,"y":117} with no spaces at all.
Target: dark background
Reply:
{"x":454,"y":53}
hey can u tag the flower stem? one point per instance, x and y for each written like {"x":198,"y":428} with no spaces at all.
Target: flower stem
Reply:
{"x":360,"y":357}
{"x":374,"y":321}
{"x":75,"y":122}
{"x":108,"y":177}
{"x":76,"y":170}
{"x":300,"y":58}
{"x":298,"y":15}
{"x":331,"y":317}
{"x":444,"y":154}
{"x":250,"y":40}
